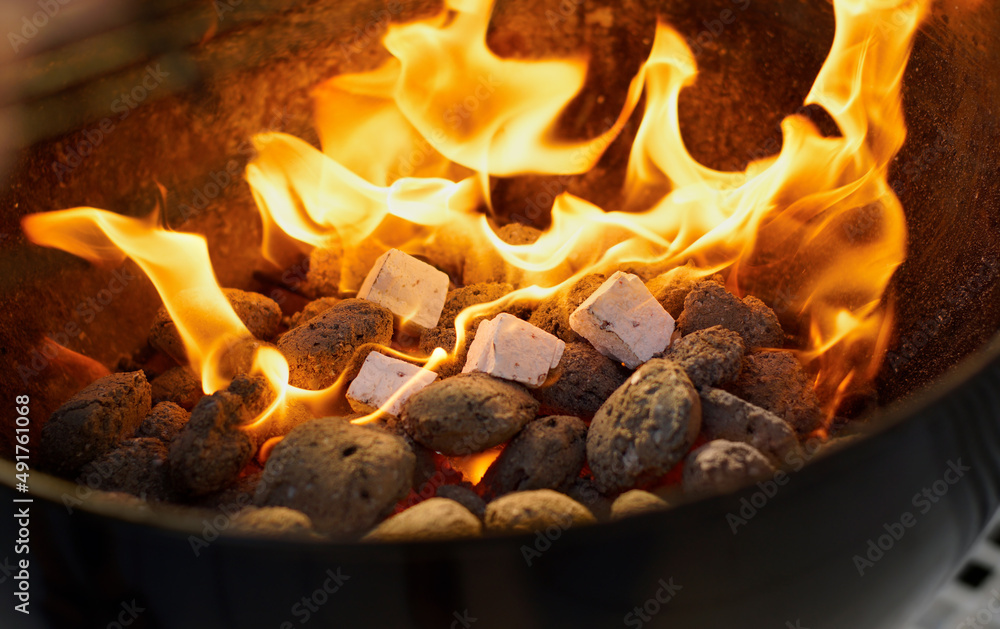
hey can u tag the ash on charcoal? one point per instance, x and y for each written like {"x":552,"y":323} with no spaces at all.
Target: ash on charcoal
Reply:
{"x":312,"y":310}
{"x":709,"y":357}
{"x":433,"y":519}
{"x":776,"y":381}
{"x":212,"y":449}
{"x":672,"y":288}
{"x":636,"y":502}
{"x":645,"y":428}
{"x":136,"y":467}
{"x":709,"y":304}
{"x":519,"y":234}
{"x":552,"y":315}
{"x":582,"y":382}
{"x":259,"y":314}
{"x":94,"y":421}
{"x":273,"y":522}
{"x":257,"y":395}
{"x":446,"y":339}
{"x":319,"y":350}
{"x":255,"y":391}
{"x":164,"y":422}
{"x":426,"y":463}
{"x":344,"y":477}
{"x":725,"y":416}
{"x":179,"y":385}
{"x":237,"y":495}
{"x":464,"y":496}
{"x":548,"y":454}
{"x":285,"y":417}
{"x":462,"y":298}
{"x":722,"y":467}
{"x":237,"y":355}
{"x":323,"y":276}
{"x":468,"y":413}
{"x":489,"y":266}
{"x":361,"y":257}
{"x":447,"y":248}
{"x":538,"y":510}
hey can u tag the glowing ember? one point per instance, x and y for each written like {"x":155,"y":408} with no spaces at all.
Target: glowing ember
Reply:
{"x":474,"y":467}
{"x":408,"y":150}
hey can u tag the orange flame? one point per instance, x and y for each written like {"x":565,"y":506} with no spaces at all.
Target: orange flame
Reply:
{"x":473,"y":467}
{"x":178,"y":265}
{"x":408,"y":150}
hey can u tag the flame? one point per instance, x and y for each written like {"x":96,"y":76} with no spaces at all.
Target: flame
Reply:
{"x":269,"y":363}
{"x":267,"y":448}
{"x":409,"y":148}
{"x":177,"y":264}
{"x":437,"y":356}
{"x":474,"y":466}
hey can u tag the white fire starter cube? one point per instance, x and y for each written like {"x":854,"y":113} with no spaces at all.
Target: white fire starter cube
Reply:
{"x":380,"y":378}
{"x":624,"y":321}
{"x":509,"y":348}
{"x":413,"y":290}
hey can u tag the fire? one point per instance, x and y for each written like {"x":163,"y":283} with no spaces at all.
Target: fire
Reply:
{"x":474,"y":467}
{"x":178,"y":265}
{"x":408,"y":150}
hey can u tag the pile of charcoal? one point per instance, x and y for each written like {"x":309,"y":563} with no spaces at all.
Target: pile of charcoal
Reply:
{"x":614,"y":396}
